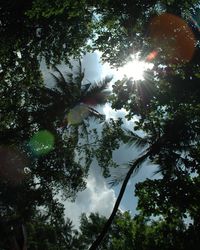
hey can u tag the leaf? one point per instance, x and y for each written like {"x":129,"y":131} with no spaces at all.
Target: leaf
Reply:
{"x":60,"y":81}
{"x":132,"y":138}
{"x":96,"y":115}
{"x":135,"y":165}
{"x":116,"y":179}
{"x":97,"y":92}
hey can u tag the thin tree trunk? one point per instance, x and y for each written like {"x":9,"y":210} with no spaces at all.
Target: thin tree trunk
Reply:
{"x":106,"y":227}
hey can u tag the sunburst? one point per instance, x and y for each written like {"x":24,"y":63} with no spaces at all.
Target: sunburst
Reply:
{"x":135,"y":68}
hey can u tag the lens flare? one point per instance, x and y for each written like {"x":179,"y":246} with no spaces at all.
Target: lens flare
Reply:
{"x":77,"y":114}
{"x":42,"y":143}
{"x":173,"y":37}
{"x":152,"y":56}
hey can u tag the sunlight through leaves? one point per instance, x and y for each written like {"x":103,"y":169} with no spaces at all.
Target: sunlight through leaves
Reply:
{"x":136,"y":68}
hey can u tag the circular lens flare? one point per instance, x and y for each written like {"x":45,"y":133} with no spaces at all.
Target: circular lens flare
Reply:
{"x":77,"y":114}
{"x":173,"y":37}
{"x":42,"y":142}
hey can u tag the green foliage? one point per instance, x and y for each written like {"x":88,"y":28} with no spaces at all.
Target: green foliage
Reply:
{"x":53,"y":232}
{"x":122,"y":26}
{"x":90,"y":227}
{"x":166,"y":104}
{"x":53,"y":31}
{"x":49,"y":159}
{"x":112,"y":138}
{"x":132,"y":139}
{"x":170,"y":197}
{"x":139,"y":233}
{"x":167,"y":110}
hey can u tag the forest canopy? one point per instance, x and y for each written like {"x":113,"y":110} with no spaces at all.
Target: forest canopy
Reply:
{"x":47,"y":144}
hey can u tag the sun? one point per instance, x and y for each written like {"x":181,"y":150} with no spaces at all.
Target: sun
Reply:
{"x":135,"y":68}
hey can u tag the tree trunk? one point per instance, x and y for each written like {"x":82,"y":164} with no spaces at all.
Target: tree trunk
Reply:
{"x":106,"y":227}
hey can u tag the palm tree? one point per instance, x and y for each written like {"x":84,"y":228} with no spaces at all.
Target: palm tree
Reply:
{"x":74,"y":103}
{"x":134,"y":167}
{"x":77,"y":97}
{"x":164,"y":148}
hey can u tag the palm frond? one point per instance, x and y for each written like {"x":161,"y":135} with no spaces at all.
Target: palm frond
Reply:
{"x":85,"y":88}
{"x":96,"y":115}
{"x":118,"y":176}
{"x":116,"y":180}
{"x":67,"y":87}
{"x":56,"y":79}
{"x":61,"y":82}
{"x":84,"y":129}
{"x":137,"y":163}
{"x":160,"y":170}
{"x":61,"y":76}
{"x":79,"y":75}
{"x":100,"y":86}
{"x":133,"y":166}
{"x":132,"y":139}
{"x":98,"y":91}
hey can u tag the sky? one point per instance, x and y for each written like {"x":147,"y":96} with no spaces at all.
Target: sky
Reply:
{"x":99,"y":196}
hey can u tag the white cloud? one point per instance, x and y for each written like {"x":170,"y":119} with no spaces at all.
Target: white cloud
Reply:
{"x":111,"y":113}
{"x":97,"y":197}
{"x":92,"y":67}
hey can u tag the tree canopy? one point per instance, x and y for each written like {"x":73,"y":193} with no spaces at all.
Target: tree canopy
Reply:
{"x":47,"y":144}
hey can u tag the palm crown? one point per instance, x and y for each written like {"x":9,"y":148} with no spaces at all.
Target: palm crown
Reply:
{"x":79,"y":99}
